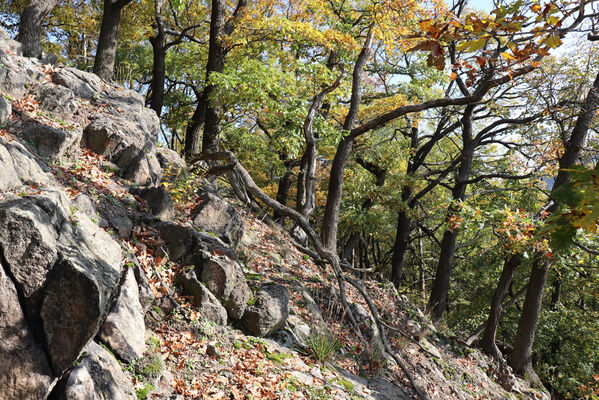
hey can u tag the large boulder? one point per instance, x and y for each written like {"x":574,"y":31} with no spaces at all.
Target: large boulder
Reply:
{"x":82,"y":84}
{"x":76,"y":298}
{"x":5,"y":109}
{"x":270,"y":311}
{"x":97,"y":377}
{"x":187,"y":245}
{"x":210,"y":307}
{"x":173,"y":165}
{"x":13,"y":81}
{"x":65,"y":268}
{"x":27,"y":167}
{"x":219,"y":217}
{"x":25,"y":373}
{"x":9,"y":179}
{"x":225,"y":279}
{"x":56,"y":98}
{"x":127,"y":144}
{"x":124,"y":328}
{"x":159,"y":200}
{"x":28,"y":242}
{"x":52,"y":144}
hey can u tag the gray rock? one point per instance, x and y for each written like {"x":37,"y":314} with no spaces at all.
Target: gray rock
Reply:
{"x":270,"y":311}
{"x":11,"y":47}
{"x":220,"y":217}
{"x":5,"y":109}
{"x":122,"y":224}
{"x":225,"y":279}
{"x":28,"y":242}
{"x":127,"y":144}
{"x":52,"y":144}
{"x":180,"y":240}
{"x":146,"y":295}
{"x":49,"y":58}
{"x":124,"y":328}
{"x":76,"y":298}
{"x":301,"y":331}
{"x":77,"y":288}
{"x":9,"y":179}
{"x":13,"y":81}
{"x":145,"y":170}
{"x":4,"y":35}
{"x":186,"y":244}
{"x":85,"y":205}
{"x":211,"y":309}
{"x":56,"y":98}
{"x":159,"y":200}
{"x":24,"y":370}
{"x":83,"y":84}
{"x":28,"y":168}
{"x":172,"y":164}
{"x":385,"y":390}
{"x":97,"y":377}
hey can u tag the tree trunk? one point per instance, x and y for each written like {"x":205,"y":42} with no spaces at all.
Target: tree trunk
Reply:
{"x":521,"y":358}
{"x":438,"y":299}
{"x":348,"y":249}
{"x":556,"y":294}
{"x":193,"y":134}
{"x":216,"y":63}
{"x":402,"y":236}
{"x":421,"y":280}
{"x":207,"y":113}
{"x":507,"y":274}
{"x":158,"y":66}
{"x":331,"y":211}
{"x":283,"y":191}
{"x":108,"y":40}
{"x":30,"y":26}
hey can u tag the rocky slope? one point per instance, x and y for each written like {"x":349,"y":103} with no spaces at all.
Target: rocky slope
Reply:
{"x":109,"y":289}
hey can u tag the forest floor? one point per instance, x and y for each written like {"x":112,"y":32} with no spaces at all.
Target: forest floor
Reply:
{"x":213,"y":362}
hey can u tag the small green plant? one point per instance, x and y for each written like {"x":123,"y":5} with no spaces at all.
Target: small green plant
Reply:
{"x":323,"y":344}
{"x":142,"y":393}
{"x":77,"y":165}
{"x":147,"y":367}
{"x":347,"y":385}
{"x":278,"y":357}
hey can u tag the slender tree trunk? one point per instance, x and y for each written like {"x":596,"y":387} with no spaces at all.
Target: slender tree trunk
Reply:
{"x":507,"y":274}
{"x":421,"y":281}
{"x":30,"y":26}
{"x":158,"y":67}
{"x":402,"y":237}
{"x":207,"y":113}
{"x":283,"y":191}
{"x":193,"y":134}
{"x":333,"y":204}
{"x":331,"y":211}
{"x":108,"y":40}
{"x":521,"y":360}
{"x":437,"y":302}
{"x":556,"y":294}
{"x":216,"y":63}
{"x":349,"y":247}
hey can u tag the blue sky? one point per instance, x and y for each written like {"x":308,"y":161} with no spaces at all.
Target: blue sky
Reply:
{"x":486,"y":5}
